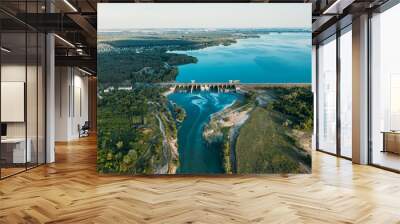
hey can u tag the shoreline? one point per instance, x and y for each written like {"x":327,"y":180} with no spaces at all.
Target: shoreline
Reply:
{"x":224,"y":44}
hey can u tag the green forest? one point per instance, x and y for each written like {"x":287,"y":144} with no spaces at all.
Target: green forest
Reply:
{"x":297,"y":104}
{"x":130,"y":138}
{"x":149,"y":66}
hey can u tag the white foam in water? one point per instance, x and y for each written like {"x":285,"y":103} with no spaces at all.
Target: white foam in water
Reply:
{"x":215,"y":98}
{"x":198,"y":100}
{"x":228,"y":105}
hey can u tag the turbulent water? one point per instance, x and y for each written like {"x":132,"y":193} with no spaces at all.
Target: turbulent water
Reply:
{"x":272,"y":58}
{"x":194,"y":155}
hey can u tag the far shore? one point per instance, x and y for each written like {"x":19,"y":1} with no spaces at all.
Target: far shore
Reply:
{"x":254,"y":85}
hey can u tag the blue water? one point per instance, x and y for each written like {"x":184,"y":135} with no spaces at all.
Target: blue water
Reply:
{"x":194,"y":154}
{"x":272,"y":58}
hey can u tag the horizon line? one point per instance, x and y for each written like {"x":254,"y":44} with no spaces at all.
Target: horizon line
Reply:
{"x":200,"y":28}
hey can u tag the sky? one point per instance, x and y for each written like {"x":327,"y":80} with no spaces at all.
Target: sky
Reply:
{"x":203,"y":15}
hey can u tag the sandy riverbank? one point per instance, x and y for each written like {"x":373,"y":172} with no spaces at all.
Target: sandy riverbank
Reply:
{"x":169,"y":91}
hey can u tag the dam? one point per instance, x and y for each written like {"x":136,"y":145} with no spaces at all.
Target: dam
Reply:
{"x":223,"y":87}
{"x":212,"y":87}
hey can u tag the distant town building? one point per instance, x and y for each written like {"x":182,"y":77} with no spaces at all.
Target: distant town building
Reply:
{"x":108,"y":89}
{"x":125,"y":88}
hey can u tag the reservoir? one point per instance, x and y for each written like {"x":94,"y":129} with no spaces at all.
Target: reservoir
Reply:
{"x":272,"y":58}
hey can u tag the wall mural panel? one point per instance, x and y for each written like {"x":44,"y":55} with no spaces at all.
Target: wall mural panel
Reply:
{"x":204,"y":88}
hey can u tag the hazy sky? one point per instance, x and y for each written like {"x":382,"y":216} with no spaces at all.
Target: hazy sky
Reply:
{"x":202,"y":15}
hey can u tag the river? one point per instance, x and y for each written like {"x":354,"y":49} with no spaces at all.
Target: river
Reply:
{"x":194,"y":155}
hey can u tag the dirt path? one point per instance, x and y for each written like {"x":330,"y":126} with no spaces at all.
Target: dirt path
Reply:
{"x":164,"y":168}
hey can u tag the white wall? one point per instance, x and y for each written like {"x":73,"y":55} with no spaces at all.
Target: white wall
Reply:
{"x":71,"y":102}
{"x":13,"y":101}
{"x":79,"y":111}
{"x":17,"y":73}
{"x":12,"y":73}
{"x":33,"y":126}
{"x":62,"y":83}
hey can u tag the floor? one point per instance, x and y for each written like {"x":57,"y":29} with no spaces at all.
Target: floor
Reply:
{"x":70,"y":191}
{"x":5,"y":172}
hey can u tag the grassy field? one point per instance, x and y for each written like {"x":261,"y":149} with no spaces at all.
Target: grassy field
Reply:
{"x":264,"y":146}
